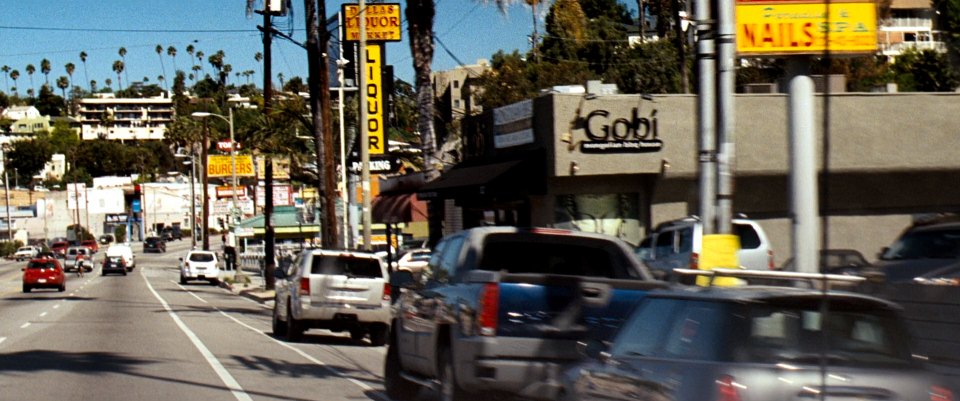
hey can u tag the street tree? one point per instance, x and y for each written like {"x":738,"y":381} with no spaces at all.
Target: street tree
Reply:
{"x":14,"y":75}
{"x":30,"y":69}
{"x":70,"y":68}
{"x":172,"y":52}
{"x":6,"y":71}
{"x":83,"y":59}
{"x":159,"y":50}
{"x":123,"y":57}
{"x":118,"y":67}
{"x":420,"y":15}
{"x":45,"y":68}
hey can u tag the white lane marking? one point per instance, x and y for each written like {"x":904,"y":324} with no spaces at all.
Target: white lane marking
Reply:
{"x":189,"y":292}
{"x":43,"y":314}
{"x":2,"y":339}
{"x":360,"y":384}
{"x":71,"y":294}
{"x":57,"y":306}
{"x":25,"y":325}
{"x":218,"y":368}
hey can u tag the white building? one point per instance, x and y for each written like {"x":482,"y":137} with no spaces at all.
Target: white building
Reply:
{"x":126,"y":118}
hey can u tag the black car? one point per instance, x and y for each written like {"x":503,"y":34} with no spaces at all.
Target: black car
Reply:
{"x":919,"y":250}
{"x":171,"y":233}
{"x":154,"y":244}
{"x":113,"y":264}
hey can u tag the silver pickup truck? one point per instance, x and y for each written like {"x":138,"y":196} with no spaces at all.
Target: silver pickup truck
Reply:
{"x":77,"y":257}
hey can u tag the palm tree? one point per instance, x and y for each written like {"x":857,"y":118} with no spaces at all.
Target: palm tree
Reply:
{"x":14,"y":75}
{"x":172,"y":52}
{"x":108,"y":82}
{"x":190,"y":50}
{"x":200,"y":57}
{"x":30,"y":70}
{"x":258,"y":57}
{"x":123,"y":57}
{"x":93,"y":85}
{"x":216,"y":61}
{"x":159,"y":50}
{"x":63,"y":83}
{"x":45,"y":69}
{"x":70,"y":67}
{"x":420,"y":15}
{"x":280,"y":78}
{"x":83,"y":59}
{"x":196,"y":69}
{"x":161,"y":79}
{"x":6,"y":70}
{"x":118,"y":68}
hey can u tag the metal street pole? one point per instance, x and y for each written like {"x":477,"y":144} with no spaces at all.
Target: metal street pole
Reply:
{"x":193,"y":203}
{"x":205,"y":213}
{"x":364,"y":129}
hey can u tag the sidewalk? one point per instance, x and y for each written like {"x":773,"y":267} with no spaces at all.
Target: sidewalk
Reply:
{"x":255,"y":290}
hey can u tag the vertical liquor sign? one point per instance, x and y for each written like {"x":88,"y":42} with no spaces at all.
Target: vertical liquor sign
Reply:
{"x":382,"y":22}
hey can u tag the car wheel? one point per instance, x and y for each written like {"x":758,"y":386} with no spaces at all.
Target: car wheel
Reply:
{"x":379,"y":334}
{"x":294,"y":327}
{"x":26,"y":288}
{"x":395,"y":385}
{"x":357,"y":334}
{"x":279,"y":327}
{"x":449,"y":389}
{"x":214,"y":282}
{"x":63,"y":287}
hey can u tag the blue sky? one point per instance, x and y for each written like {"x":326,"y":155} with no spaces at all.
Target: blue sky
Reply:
{"x":59,"y":30}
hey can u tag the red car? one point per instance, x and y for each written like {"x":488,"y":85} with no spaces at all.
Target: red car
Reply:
{"x":92,"y":244}
{"x":43,"y":273}
{"x":60,"y":248}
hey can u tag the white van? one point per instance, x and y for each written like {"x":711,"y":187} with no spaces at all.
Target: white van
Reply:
{"x":125,"y":252}
{"x":678,"y":243}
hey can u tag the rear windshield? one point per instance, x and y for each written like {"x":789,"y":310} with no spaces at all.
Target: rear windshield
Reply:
{"x":851,"y":334}
{"x":939,"y":244}
{"x":346,"y":265}
{"x":554,"y":254}
{"x":201,"y":257}
{"x":41,"y":265}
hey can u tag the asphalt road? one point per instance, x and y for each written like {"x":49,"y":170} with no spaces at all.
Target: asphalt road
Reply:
{"x":145,"y":337}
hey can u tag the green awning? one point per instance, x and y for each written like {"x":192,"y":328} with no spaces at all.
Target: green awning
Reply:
{"x":286,"y":220}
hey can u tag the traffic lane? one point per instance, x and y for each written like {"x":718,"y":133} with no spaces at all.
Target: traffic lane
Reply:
{"x":237,"y":331}
{"x":107,"y":342}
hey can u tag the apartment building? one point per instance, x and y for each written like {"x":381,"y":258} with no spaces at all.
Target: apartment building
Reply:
{"x":123,"y":119}
{"x":910,"y":25}
{"x":456,"y":89}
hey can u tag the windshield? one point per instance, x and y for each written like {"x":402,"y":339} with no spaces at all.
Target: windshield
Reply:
{"x":931,"y":244}
{"x":41,"y":265}
{"x":346,"y":265}
{"x":201,"y":257}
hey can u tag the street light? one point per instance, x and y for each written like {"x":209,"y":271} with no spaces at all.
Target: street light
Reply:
{"x":233,"y":172}
{"x":193,"y":200}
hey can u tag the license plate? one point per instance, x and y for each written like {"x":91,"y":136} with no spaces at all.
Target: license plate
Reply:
{"x":201,"y":267}
{"x":41,"y":281}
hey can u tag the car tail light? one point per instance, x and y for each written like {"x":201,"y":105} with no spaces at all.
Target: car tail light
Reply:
{"x":938,"y":393}
{"x":694,"y":260}
{"x":770,"y":264}
{"x":386,"y":292}
{"x":487,"y":313}
{"x":727,"y":389}
{"x":554,"y":231}
{"x":304,"y":286}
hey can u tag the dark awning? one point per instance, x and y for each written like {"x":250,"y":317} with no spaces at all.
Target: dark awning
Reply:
{"x":482,"y":180}
{"x":397,"y":208}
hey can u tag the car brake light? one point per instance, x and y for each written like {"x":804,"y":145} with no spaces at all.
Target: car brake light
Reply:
{"x":386,"y":292}
{"x":554,"y":231}
{"x":487,"y":314}
{"x":938,"y":393}
{"x":770,"y":264}
{"x":304,"y":286}
{"x":727,"y":389}
{"x":694,"y":260}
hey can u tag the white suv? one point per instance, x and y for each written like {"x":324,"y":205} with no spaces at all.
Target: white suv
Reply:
{"x":333,"y":290}
{"x":200,"y":265}
{"x":678,"y":243}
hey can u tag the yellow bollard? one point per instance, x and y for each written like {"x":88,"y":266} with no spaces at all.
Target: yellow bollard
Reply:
{"x":719,"y":250}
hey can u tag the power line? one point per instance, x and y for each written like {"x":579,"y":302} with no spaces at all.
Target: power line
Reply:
{"x":46,"y":28}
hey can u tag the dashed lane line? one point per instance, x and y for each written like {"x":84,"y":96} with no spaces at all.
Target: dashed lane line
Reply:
{"x":25,"y":325}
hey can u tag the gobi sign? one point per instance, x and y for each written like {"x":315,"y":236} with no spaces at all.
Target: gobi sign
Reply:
{"x":787,"y":28}
{"x":222,"y":166}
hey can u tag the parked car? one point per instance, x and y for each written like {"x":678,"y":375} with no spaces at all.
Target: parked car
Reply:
{"x":44,"y":273}
{"x":26,"y":253}
{"x":757,"y":343}
{"x":92,"y":244}
{"x":59,"y":248}
{"x":113,"y":264}
{"x":154,"y":244}
{"x":125,"y":252}
{"x":414,"y":260}
{"x":78,"y":257}
{"x":919,"y":250}
{"x":835,"y":261}
{"x":678,"y":244}
{"x":498,"y":311}
{"x":107,"y":239}
{"x":334,"y":290}
{"x":200,"y":265}
{"x":171,"y":233}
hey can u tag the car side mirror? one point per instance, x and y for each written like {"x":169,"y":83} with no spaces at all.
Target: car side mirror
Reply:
{"x":402,"y":279}
{"x":883,"y":251}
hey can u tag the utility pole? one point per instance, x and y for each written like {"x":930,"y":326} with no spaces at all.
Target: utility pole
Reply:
{"x":364,"y":129}
{"x":706,"y":111}
{"x":268,"y":247}
{"x":726,"y":77}
{"x":205,"y":213}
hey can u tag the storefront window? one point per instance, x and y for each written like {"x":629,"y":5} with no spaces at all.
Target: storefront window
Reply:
{"x":612,"y":214}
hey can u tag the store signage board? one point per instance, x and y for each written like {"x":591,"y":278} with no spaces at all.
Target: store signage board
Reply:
{"x":222,"y":166}
{"x":384,"y":23}
{"x":777,"y":28}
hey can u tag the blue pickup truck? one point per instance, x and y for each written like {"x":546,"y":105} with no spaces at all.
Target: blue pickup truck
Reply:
{"x":499,"y":310}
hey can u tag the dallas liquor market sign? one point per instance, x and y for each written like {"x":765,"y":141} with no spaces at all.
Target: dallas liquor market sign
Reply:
{"x":770,"y":28}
